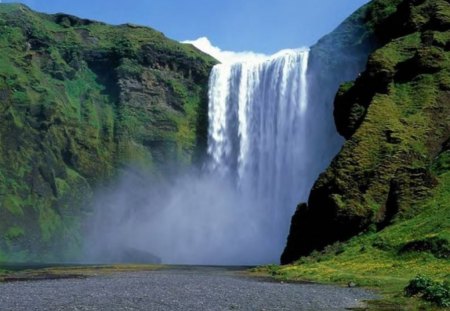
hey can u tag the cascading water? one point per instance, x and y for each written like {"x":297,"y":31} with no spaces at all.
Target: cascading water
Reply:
{"x":257,"y":135}
{"x":268,"y":141}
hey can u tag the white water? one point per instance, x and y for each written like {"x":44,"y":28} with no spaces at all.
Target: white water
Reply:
{"x":257,"y":117}
{"x":265,"y":151}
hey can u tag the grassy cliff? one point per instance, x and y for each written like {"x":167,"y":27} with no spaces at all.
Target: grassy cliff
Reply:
{"x":380,"y":214}
{"x":79,"y":100}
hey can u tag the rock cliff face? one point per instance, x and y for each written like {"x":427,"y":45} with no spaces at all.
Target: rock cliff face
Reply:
{"x":80,"y":100}
{"x":395,"y":118}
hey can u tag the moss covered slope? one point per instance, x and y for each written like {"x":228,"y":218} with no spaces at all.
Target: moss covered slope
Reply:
{"x":396,"y":121}
{"x":79,"y":100}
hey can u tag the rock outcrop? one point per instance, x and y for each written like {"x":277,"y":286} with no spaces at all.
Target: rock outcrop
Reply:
{"x":79,"y":100}
{"x":395,"y":118}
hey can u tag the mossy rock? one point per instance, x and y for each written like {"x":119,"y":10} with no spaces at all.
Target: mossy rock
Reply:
{"x":396,"y":119}
{"x":79,"y":101}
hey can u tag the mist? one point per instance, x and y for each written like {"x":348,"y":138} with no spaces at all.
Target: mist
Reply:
{"x":193,"y":219}
{"x":270,"y":135}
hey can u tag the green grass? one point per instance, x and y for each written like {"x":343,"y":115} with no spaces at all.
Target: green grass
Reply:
{"x":375,"y":260}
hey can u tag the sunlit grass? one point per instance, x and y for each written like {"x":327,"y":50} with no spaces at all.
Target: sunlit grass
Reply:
{"x":375,"y":260}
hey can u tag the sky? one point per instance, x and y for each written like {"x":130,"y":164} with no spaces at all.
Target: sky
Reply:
{"x":263,"y":26}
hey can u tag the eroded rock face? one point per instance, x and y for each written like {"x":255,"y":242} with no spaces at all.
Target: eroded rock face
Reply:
{"x":79,"y":100}
{"x":395,"y":117}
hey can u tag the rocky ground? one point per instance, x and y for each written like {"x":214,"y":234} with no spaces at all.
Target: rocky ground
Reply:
{"x":179,"y":288}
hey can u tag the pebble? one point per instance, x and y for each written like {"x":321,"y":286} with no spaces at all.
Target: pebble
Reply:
{"x":177,"y":289}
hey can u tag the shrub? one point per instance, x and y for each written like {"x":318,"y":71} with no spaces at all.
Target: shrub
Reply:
{"x":429,"y":290}
{"x":273,"y":269}
{"x":439,"y":294}
{"x":418,"y":285}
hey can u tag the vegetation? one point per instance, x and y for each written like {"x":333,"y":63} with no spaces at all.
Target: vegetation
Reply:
{"x":379,"y":259}
{"x":429,"y":290}
{"x":380,"y":214}
{"x":79,"y":101}
{"x":395,"y":117}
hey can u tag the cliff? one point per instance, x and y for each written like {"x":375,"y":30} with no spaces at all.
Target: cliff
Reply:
{"x":395,"y":118}
{"x":80,"y":100}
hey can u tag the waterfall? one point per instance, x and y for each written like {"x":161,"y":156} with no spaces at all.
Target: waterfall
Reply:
{"x":270,"y":135}
{"x":258,"y":112}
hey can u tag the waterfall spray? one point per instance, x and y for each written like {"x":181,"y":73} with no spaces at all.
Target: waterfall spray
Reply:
{"x":262,"y":162}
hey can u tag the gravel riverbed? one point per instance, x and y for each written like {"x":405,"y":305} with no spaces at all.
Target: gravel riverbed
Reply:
{"x":182,"y":288}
